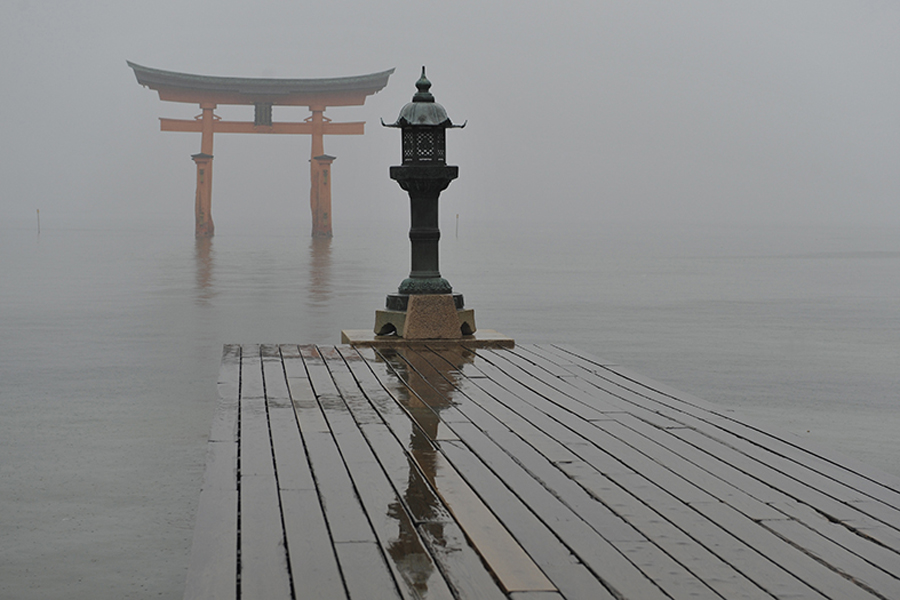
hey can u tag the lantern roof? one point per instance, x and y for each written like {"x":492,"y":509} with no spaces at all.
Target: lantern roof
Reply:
{"x":423,"y":110}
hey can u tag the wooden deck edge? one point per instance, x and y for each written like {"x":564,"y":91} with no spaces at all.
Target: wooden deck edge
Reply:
{"x":483,"y":338}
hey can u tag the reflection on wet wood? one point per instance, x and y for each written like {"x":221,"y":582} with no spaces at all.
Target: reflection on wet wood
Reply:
{"x":535,"y":473}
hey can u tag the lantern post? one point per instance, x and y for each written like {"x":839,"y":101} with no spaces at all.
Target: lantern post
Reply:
{"x":425,"y":306}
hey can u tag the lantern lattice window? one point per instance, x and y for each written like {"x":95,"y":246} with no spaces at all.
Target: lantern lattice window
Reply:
{"x":424,"y":144}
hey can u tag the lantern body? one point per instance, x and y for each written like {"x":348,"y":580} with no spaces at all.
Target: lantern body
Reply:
{"x":423,"y":174}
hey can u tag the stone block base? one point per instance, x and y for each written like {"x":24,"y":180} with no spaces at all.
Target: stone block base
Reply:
{"x":427,"y":317}
{"x":483,"y":338}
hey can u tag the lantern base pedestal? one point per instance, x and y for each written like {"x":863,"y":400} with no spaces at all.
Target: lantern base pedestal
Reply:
{"x":427,"y":317}
{"x":483,"y":338}
{"x":400,"y":302}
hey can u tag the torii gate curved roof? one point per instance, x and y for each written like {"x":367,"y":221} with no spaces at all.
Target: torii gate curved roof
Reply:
{"x":334,"y":91}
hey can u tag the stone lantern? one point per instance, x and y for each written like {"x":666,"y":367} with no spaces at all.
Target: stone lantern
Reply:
{"x":425,"y":306}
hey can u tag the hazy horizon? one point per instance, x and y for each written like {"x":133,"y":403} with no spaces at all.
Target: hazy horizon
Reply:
{"x":761,"y":112}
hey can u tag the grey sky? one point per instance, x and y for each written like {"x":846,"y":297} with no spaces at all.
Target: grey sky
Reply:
{"x":628,"y":110}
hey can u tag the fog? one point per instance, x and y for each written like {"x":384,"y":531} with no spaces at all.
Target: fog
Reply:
{"x":749,"y":119}
{"x":670,"y":112}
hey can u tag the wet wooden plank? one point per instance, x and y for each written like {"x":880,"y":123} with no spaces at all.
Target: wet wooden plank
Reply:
{"x":263,"y":560}
{"x":803,"y":475}
{"x":481,"y":398}
{"x":221,"y":451}
{"x":719,"y":478}
{"x":568,"y":349}
{"x":255,"y":443}
{"x":626,"y":402}
{"x":784,"y":484}
{"x":314,"y":566}
{"x":782,"y":518}
{"x":212,"y":570}
{"x":438,"y":369}
{"x":319,"y":376}
{"x":540,"y":362}
{"x":664,"y":520}
{"x":854,"y":540}
{"x":405,"y":473}
{"x":292,"y":467}
{"x":637,"y":524}
{"x":420,"y":395}
{"x":224,"y":426}
{"x":836,"y":557}
{"x":640,"y":463}
{"x":461,"y":565}
{"x":653,"y":520}
{"x":865,"y":477}
{"x":393,"y":402}
{"x":553,"y":390}
{"x":407,"y":557}
{"x":291,"y":361}
{"x":221,"y":471}
{"x":856,"y":475}
{"x":570,"y":415}
{"x":276,"y":388}
{"x":567,"y":572}
{"x":625,"y":454}
{"x":674,"y":578}
{"x":533,"y":449}
{"x":347,"y":520}
{"x":536,"y":596}
{"x":641,"y":394}
{"x":833,"y":485}
{"x":307,"y":409}
{"x":353,"y":396}
{"x":507,"y":559}
{"x":576,"y":531}
{"x":251,"y":372}
{"x":445,"y":472}
{"x":365,"y":572}
{"x":878,"y":502}
{"x":591,"y":390}
{"x":818,"y":576}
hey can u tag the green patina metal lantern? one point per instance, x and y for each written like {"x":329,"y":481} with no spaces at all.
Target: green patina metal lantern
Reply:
{"x":425,"y":308}
{"x":424,"y":174}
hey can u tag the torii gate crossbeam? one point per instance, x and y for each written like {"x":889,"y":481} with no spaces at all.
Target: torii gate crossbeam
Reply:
{"x":209,"y":92}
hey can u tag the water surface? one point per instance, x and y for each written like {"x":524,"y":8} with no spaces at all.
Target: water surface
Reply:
{"x":112,"y":339}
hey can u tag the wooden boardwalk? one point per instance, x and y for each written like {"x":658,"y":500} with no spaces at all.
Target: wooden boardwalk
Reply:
{"x":529,"y":474}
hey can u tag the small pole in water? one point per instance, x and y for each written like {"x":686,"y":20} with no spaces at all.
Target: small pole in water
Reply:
{"x":457,"y":224}
{"x":39,"y":219}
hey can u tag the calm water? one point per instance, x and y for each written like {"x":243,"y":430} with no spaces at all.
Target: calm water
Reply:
{"x":112,"y":339}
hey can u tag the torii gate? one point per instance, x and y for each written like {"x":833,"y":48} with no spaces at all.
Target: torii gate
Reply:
{"x":209,"y":92}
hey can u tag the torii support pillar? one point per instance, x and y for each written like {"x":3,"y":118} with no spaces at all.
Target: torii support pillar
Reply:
{"x":203,"y":223}
{"x":320,"y":195}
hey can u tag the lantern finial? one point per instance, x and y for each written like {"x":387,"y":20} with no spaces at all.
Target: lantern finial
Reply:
{"x":423,"y":85}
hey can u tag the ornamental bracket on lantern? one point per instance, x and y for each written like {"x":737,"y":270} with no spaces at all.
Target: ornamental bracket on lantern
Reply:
{"x":425,"y":306}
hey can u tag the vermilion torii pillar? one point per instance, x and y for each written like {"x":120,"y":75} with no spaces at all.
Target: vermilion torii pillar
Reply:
{"x":263,"y":94}
{"x":320,"y":194}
